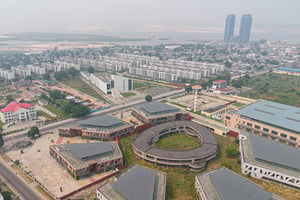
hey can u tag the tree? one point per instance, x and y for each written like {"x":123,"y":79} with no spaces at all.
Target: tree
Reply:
{"x":91,"y":70}
{"x":73,"y":72}
{"x":46,"y":76}
{"x":188,"y":89}
{"x":61,"y":76}
{"x":228,"y":64}
{"x":28,"y":78}
{"x":33,"y":132}
{"x":56,"y":94}
{"x":9,"y":99}
{"x":232,"y":152}
{"x":148,"y":98}
{"x":1,"y":140}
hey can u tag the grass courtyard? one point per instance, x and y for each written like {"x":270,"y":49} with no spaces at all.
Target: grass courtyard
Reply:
{"x":81,"y":86}
{"x":178,"y":142}
{"x":180,"y":181}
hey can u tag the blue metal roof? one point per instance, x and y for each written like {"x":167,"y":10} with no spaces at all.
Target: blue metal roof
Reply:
{"x":288,"y":69}
{"x":275,"y":114}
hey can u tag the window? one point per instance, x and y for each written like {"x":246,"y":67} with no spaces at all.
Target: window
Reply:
{"x":249,"y":124}
{"x":283,"y":135}
{"x":266,"y":129}
{"x":293,"y":138}
{"x":274,"y":132}
{"x":257,"y":127}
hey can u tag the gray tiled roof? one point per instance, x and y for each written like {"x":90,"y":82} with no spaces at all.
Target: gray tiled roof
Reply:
{"x":86,"y":150}
{"x":276,"y":114}
{"x":231,"y":186}
{"x":274,"y":152}
{"x":138,"y":183}
{"x":102,"y":121}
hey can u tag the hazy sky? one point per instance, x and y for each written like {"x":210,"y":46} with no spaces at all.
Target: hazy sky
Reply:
{"x":105,"y":15}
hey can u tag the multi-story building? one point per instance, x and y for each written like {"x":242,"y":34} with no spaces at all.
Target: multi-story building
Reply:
{"x":229,"y":28}
{"x":39,"y":70}
{"x":7,"y":74}
{"x":18,"y":112}
{"x":135,"y":184}
{"x":104,"y":127}
{"x":122,"y":84}
{"x":245,"y":29}
{"x":23,"y":72}
{"x":215,"y":185}
{"x":102,"y":81}
{"x":275,"y":121}
{"x":82,"y":159}
{"x":156,"y":112}
{"x":266,"y":159}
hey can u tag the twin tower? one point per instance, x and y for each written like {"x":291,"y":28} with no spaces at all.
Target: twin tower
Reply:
{"x":245,"y":29}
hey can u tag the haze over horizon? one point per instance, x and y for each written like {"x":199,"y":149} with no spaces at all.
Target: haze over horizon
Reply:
{"x":113,"y":17}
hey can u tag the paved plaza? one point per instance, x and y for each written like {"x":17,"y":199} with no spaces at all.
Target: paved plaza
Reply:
{"x":37,"y":161}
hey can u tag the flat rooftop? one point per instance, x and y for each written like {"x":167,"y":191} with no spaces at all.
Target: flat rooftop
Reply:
{"x":103,"y":77}
{"x":224,"y":184}
{"x":157,"y":108}
{"x":137,"y":183}
{"x":78,"y":154}
{"x":275,"y":114}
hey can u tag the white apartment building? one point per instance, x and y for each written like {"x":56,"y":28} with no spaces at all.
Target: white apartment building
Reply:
{"x":18,"y":112}
{"x":7,"y":75}
{"x":39,"y":70}
{"x":21,"y":71}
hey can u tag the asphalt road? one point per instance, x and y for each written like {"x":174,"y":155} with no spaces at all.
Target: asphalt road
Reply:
{"x":13,"y":180}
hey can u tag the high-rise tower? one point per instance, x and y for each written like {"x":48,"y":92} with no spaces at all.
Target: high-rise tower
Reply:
{"x":245,"y":29}
{"x":229,"y":28}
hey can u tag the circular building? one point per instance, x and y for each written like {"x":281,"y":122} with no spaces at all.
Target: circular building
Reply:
{"x":145,"y":148}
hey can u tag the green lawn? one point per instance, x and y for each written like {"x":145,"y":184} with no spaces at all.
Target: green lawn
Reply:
{"x":140,"y":85}
{"x":81,"y":86}
{"x":59,"y":112}
{"x":178,"y":104}
{"x":1,"y":124}
{"x":178,"y":142}
{"x":43,"y":114}
{"x":275,"y":87}
{"x":238,"y":104}
{"x":127,"y":94}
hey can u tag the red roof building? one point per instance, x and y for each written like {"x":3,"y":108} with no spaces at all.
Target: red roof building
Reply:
{"x":18,"y":112}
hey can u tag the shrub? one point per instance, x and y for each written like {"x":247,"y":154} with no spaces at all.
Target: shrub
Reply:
{"x":232,"y":152}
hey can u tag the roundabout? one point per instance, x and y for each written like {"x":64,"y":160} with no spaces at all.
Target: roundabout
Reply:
{"x":145,"y":146}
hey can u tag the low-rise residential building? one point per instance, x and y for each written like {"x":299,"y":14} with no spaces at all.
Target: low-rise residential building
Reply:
{"x":135,"y":184}
{"x":269,"y":119}
{"x":224,"y":184}
{"x":266,"y":159}
{"x":156,"y":112}
{"x":82,"y":159}
{"x":104,"y":127}
{"x":18,"y":112}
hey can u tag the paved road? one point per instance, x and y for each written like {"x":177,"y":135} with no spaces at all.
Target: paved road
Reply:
{"x":13,"y":180}
{"x":48,"y":128}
